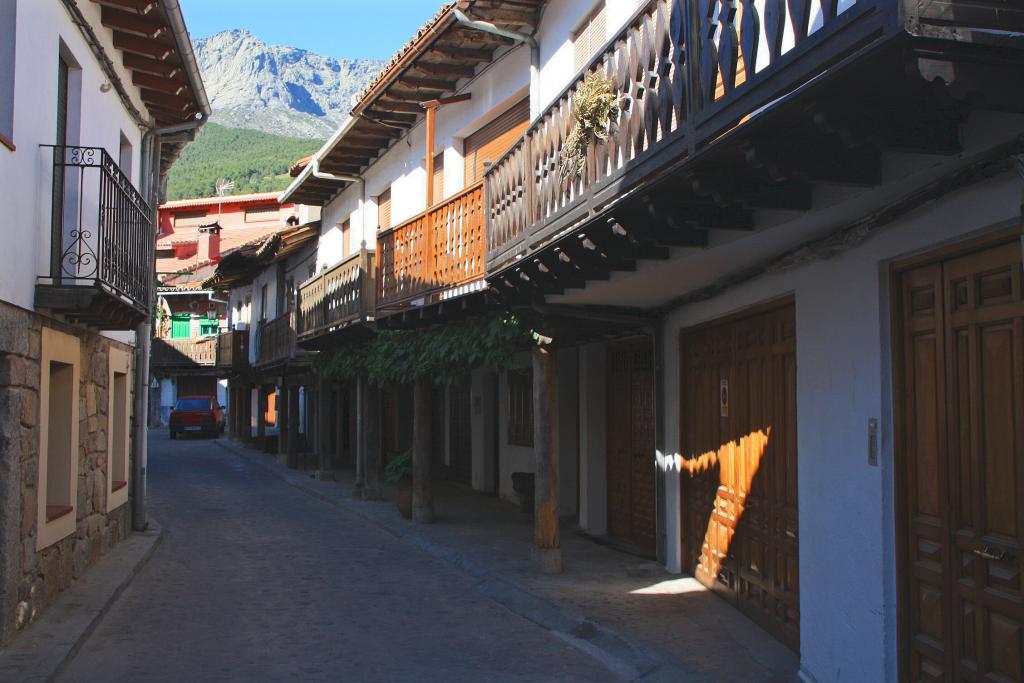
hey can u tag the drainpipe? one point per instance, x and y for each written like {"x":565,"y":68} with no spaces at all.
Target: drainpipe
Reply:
{"x":530,"y":40}
{"x":152,"y":142}
{"x":323,"y":175}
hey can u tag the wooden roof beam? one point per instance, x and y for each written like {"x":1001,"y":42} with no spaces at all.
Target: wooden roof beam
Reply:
{"x":150,"y":66}
{"x":430,"y":83}
{"x":168,"y":102}
{"x":446,"y":69}
{"x":137,"y":6}
{"x":164,"y":85}
{"x":390,"y":118}
{"x":142,"y":46}
{"x":133,"y":23}
{"x":455,"y":52}
{"x":391,"y":105}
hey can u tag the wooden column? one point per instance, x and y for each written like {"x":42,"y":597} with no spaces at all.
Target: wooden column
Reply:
{"x":282,"y":423}
{"x":321,"y":422}
{"x":261,"y":410}
{"x":422,"y":496}
{"x":431,"y":110}
{"x":339,"y":418}
{"x":368,"y":437}
{"x":547,"y":542}
{"x":292,"y":444}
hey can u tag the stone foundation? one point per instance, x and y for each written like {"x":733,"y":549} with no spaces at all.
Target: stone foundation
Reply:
{"x":30,"y":580}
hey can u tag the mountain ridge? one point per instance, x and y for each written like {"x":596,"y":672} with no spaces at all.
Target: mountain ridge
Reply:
{"x":278,"y":89}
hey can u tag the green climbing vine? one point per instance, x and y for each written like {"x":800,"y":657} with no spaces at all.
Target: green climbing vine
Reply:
{"x":440,"y":354}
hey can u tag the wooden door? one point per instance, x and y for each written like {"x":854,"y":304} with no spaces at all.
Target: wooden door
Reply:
{"x":960,"y":462}
{"x":460,"y":434}
{"x":739,"y":471}
{"x":631,"y":471}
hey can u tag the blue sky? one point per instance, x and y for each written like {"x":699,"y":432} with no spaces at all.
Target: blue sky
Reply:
{"x":360,"y":29}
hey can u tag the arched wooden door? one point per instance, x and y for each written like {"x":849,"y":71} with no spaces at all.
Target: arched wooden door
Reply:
{"x":960,"y":465}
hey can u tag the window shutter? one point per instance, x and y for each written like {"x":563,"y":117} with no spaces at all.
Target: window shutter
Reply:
{"x":62,"y":101}
{"x":438,"y":179}
{"x":494,"y":139}
{"x":384,"y":210}
{"x":589,"y":38}
{"x":346,"y":248}
{"x":181,"y":326}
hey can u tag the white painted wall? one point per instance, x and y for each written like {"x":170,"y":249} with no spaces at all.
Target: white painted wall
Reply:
{"x":26,"y":174}
{"x":843,"y":379}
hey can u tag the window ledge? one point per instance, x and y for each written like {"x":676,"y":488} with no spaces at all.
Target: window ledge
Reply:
{"x":7,"y":142}
{"x":117,"y":485}
{"x":54,"y":512}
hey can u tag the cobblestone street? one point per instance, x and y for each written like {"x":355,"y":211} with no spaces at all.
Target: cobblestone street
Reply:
{"x":256,"y":581}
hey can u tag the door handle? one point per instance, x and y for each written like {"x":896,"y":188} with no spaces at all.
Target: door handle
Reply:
{"x":989,"y":554}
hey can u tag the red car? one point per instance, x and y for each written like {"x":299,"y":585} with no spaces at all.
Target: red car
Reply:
{"x":197,"y":415}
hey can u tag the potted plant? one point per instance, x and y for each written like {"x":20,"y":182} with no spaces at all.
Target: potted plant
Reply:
{"x":399,"y":473}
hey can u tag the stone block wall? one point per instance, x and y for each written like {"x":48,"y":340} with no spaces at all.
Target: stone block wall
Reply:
{"x":31,"y":580}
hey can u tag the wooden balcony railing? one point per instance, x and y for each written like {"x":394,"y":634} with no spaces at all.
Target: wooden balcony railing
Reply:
{"x":184,"y":353}
{"x":338,"y":296}
{"x":441,"y":248}
{"x":275,"y":340}
{"x":685,"y":79}
{"x":233,"y":349}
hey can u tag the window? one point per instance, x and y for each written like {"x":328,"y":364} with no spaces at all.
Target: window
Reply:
{"x":384,"y":210}
{"x":263,"y":302}
{"x":588,"y":37}
{"x":8,"y":21}
{"x":190,"y":219}
{"x":520,"y":407}
{"x":117,"y":429}
{"x":124,"y":156}
{"x":58,"y":437}
{"x":257,"y":214}
{"x":493,"y":139}
{"x":209,"y":325}
{"x":248,"y":309}
{"x":346,"y":247}
{"x":437,"y":191}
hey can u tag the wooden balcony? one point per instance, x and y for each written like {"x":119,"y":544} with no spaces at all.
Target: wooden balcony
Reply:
{"x":275,"y":341}
{"x":433,"y":255}
{"x":101,"y":243}
{"x":689,"y":73}
{"x":184,"y":354}
{"x":338,"y":297}
{"x":233,"y":350}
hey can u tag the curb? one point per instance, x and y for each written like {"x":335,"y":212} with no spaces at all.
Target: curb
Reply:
{"x":627,"y":660}
{"x":45,"y":649}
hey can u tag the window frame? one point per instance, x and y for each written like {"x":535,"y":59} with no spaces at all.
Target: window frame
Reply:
{"x":519,"y":408}
{"x":582,"y":55}
{"x":57,"y":347}
{"x":8,"y":74}
{"x":120,"y":363}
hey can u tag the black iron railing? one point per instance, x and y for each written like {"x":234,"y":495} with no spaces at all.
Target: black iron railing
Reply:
{"x":102,"y":229}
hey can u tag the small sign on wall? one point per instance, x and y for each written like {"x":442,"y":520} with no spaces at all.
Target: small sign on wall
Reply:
{"x":723,"y":398}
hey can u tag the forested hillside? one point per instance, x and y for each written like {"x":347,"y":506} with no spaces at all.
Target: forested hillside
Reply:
{"x":255,"y":161}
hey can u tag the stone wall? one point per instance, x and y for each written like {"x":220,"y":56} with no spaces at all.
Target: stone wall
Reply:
{"x":30,"y":580}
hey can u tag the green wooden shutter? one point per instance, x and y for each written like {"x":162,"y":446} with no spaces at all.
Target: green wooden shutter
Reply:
{"x":181,"y":326}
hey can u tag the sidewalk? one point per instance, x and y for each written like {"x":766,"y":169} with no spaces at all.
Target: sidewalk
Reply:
{"x":642,"y":622}
{"x":46,"y":647}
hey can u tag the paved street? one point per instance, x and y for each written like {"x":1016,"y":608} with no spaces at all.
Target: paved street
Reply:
{"x":255,"y":580}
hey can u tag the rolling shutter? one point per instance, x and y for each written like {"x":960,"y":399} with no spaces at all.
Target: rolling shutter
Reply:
{"x":588,"y":38}
{"x":384,"y":210}
{"x":494,"y":139}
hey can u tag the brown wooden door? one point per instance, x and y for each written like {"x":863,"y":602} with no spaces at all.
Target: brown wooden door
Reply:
{"x":961,"y":465}
{"x":631,"y":473}
{"x":739,"y":472}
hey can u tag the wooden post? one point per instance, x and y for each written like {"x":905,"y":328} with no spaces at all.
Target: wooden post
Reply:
{"x":282,"y":422}
{"x":321,"y":422}
{"x":261,"y":409}
{"x":431,"y":110}
{"x":422,"y":498}
{"x":548,"y":549}
{"x":339,"y":416}
{"x":293,"y":426}
{"x":368,"y":437}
